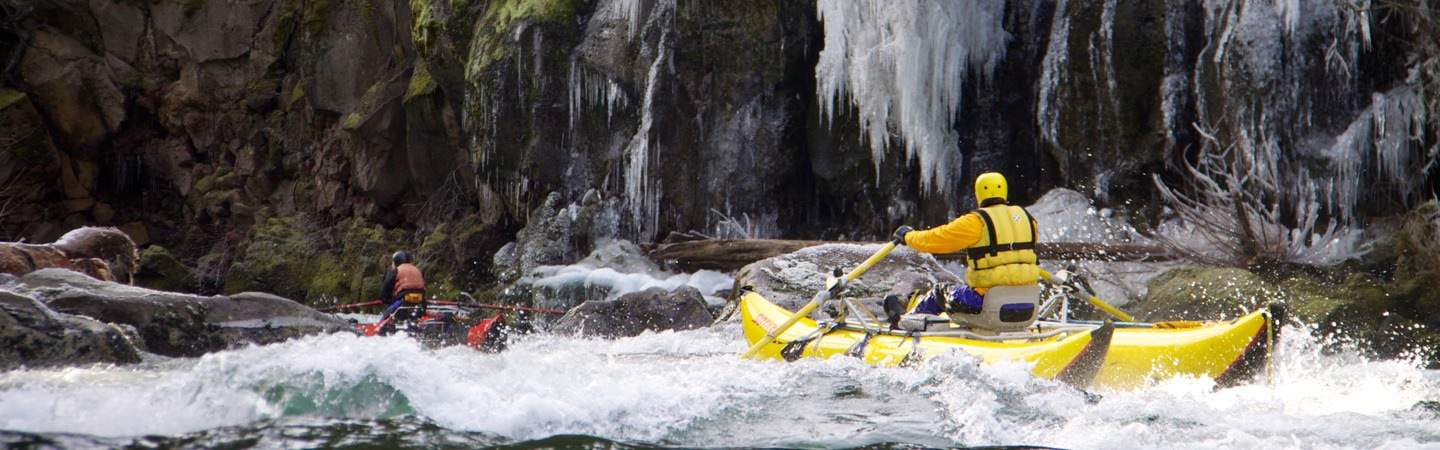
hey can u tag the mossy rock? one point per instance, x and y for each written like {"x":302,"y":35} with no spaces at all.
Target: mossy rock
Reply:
{"x":488,"y":44}
{"x":297,"y":94}
{"x":1311,"y":301}
{"x":277,"y":260}
{"x":341,"y":263}
{"x":1204,"y":293}
{"x":422,"y":83}
{"x":160,"y":270}
{"x":9,"y":97}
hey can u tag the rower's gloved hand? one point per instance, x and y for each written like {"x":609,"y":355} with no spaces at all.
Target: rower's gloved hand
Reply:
{"x":900,"y":234}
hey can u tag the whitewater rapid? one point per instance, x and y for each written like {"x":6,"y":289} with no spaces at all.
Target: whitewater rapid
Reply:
{"x":691,"y":389}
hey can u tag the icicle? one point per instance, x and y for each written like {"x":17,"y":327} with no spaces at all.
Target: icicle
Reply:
{"x":1052,"y":75}
{"x":904,"y":64}
{"x":589,"y":89}
{"x":641,"y":193}
{"x":629,"y":11}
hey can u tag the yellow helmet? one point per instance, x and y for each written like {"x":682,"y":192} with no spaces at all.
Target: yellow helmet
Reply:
{"x":991,"y":185}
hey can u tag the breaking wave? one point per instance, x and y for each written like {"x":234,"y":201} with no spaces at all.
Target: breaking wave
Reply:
{"x":690,"y":389}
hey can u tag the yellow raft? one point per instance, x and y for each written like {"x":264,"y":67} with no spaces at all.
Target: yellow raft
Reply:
{"x":1082,"y":355}
{"x":1072,"y":356}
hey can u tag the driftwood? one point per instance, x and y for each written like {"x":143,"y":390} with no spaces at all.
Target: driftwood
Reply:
{"x":732,"y":254}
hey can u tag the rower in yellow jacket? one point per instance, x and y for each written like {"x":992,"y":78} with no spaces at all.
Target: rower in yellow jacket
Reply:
{"x":1002,"y":290}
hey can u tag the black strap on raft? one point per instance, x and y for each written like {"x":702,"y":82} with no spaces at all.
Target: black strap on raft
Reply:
{"x":913,"y":358}
{"x":794,"y":350}
{"x":858,"y":350}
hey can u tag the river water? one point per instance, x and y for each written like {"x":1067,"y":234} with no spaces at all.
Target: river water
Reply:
{"x":689,"y":389}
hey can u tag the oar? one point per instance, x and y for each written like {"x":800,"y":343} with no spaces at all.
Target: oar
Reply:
{"x":1094,"y":300}
{"x":453,"y":303}
{"x":820,"y":297}
{"x":351,"y":306}
{"x":501,"y":307}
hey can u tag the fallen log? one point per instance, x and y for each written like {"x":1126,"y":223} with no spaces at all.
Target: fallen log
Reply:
{"x":732,"y":254}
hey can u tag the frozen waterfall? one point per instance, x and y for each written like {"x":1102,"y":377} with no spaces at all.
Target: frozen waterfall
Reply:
{"x":904,"y":64}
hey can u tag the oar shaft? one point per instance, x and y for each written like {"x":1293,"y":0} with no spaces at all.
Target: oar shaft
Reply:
{"x":1111,"y":309}
{"x":351,"y":306}
{"x":874,"y":259}
{"x":1108,"y":308}
{"x":501,"y":307}
{"x":820,"y":297}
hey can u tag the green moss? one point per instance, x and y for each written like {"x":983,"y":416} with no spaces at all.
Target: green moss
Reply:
{"x":329,"y":282}
{"x":421,"y":82}
{"x":190,"y":7}
{"x":276,"y":260}
{"x":513,"y":11}
{"x":351,"y":122}
{"x":488,"y":44}
{"x":220,"y":180}
{"x":1203,"y":293}
{"x":159,"y":269}
{"x":316,"y":12}
{"x":1311,"y":301}
{"x":285,"y":23}
{"x":341,"y":263}
{"x":424,"y":26}
{"x":367,"y":14}
{"x":9,"y":97}
{"x":204,"y":184}
{"x":296,"y":95}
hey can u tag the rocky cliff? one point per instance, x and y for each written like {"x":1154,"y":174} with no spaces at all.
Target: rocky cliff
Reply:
{"x":287,"y":145}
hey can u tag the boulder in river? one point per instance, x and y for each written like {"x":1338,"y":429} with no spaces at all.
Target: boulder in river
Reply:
{"x":790,"y":280}
{"x":653,"y":309}
{"x":179,"y":324}
{"x":1204,"y":293}
{"x":33,"y":335}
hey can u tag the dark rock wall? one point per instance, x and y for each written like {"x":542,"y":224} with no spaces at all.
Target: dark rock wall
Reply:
{"x":240,"y":133}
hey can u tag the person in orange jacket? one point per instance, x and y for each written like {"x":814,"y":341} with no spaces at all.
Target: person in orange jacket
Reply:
{"x":404,"y":285}
{"x":998,"y":240}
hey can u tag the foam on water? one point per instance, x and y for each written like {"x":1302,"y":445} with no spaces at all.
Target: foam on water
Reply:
{"x":690,"y":388}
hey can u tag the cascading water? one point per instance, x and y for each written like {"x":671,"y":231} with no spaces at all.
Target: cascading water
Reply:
{"x":689,"y":389}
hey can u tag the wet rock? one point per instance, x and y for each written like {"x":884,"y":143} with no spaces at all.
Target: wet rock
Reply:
{"x":260,"y":318}
{"x":173,"y":324}
{"x":557,"y":234}
{"x":790,"y":280}
{"x":33,"y":335}
{"x":653,"y":309}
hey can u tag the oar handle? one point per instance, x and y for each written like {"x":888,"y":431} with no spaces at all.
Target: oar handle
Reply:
{"x":820,"y":297}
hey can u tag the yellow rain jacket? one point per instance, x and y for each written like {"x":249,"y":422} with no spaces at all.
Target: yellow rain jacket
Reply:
{"x":999,"y":243}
